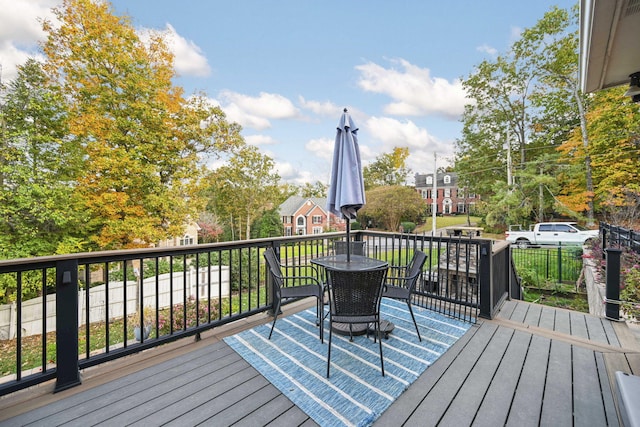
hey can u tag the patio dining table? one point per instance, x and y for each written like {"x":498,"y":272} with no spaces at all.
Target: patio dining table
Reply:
{"x":355,"y":264}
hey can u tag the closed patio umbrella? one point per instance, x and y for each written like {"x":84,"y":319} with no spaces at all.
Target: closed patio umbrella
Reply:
{"x":346,"y":188}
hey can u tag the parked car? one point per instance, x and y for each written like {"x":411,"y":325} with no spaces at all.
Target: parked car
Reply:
{"x":550,"y":233}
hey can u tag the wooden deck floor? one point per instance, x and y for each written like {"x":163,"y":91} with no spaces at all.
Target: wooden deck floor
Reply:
{"x":533,"y":365}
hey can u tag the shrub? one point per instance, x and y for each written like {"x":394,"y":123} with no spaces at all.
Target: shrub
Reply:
{"x":192,"y":317}
{"x":408,"y":227}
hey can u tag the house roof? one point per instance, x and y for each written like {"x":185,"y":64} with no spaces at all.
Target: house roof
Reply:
{"x":609,"y":37}
{"x":421,"y":180}
{"x":294,"y":203}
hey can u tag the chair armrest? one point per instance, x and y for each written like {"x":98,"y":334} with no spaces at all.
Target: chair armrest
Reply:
{"x":299,"y":267}
{"x":285,"y":279}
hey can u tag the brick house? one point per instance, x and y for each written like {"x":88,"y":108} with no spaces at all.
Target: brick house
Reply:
{"x":450,"y":198}
{"x":308,"y":215}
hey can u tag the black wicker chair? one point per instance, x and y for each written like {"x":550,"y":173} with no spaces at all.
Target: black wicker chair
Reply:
{"x":354,"y":298}
{"x":287,"y":286}
{"x":401,"y":282}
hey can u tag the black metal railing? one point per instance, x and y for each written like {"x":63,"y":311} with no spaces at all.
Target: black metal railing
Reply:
{"x":619,"y":237}
{"x":94,"y":307}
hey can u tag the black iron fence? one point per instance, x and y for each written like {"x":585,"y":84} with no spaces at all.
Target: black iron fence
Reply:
{"x":548,"y":265}
{"x":69,"y":312}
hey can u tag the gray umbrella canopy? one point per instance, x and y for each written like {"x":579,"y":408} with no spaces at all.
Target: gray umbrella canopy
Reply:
{"x":346,"y":188}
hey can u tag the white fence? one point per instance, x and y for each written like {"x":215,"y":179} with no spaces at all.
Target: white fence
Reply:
{"x":32,"y":309}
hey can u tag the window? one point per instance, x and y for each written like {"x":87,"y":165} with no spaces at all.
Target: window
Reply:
{"x":447,"y":179}
{"x":545,"y":227}
{"x":447,"y":192}
{"x":300,"y":220}
{"x":430,"y":180}
{"x":565,"y":228}
{"x":317,"y":230}
{"x":186,"y":240}
{"x":471,"y":196}
{"x":316,"y":219}
{"x":287,"y":231}
{"x":461,"y":208}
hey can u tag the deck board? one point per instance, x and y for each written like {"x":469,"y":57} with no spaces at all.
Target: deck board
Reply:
{"x":557,"y":405}
{"x":596,"y":330}
{"x":562,"y":322}
{"x":543,"y":372}
{"x":607,"y":392}
{"x":405,"y":405}
{"x":495,"y":405}
{"x":547,"y":318}
{"x":587,"y":399}
{"x":434,"y":405}
{"x":471,"y":393}
{"x":533,"y":315}
{"x":527,"y":400}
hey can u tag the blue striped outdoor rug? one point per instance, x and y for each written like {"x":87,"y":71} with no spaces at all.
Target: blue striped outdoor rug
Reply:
{"x":356,"y":394}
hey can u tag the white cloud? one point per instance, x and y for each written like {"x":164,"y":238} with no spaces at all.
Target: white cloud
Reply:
{"x":188,"y":57}
{"x":321,"y":148}
{"x":422,"y":145}
{"x":20,"y":31}
{"x":492,"y":51}
{"x":256,"y":112}
{"x":260,"y":140}
{"x":395,"y":133}
{"x":325,"y":108}
{"x":414,"y":90}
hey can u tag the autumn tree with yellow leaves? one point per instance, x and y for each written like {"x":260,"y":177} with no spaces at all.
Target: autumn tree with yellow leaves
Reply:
{"x":143,"y":141}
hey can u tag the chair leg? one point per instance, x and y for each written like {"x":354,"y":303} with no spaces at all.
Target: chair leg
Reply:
{"x":414,"y":320}
{"x":380,"y":343}
{"x":275,"y":317}
{"x":329,"y":351}
{"x":320,"y":309}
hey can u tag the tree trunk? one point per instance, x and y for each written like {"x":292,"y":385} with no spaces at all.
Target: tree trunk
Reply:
{"x":587,"y":159}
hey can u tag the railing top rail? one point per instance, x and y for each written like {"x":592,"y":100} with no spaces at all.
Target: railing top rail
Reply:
{"x":127,"y":254}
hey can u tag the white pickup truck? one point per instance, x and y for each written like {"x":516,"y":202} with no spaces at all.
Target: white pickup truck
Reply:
{"x":550,"y":233}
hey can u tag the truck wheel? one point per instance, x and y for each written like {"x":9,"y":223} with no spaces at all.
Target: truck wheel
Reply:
{"x":522,"y":243}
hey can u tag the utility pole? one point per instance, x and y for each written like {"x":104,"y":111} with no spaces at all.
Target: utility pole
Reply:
{"x":540,"y":198}
{"x":434,"y":195}
{"x":509,"y":176}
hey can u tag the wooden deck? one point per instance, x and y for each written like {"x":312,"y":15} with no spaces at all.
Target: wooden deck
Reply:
{"x":533,"y":365}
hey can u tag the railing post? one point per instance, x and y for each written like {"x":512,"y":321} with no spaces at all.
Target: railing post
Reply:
{"x":486,"y":285}
{"x":612,"y":291}
{"x":559,"y":262}
{"x":67,"y":371}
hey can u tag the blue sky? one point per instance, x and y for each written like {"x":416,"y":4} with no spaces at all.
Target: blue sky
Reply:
{"x":285,"y":69}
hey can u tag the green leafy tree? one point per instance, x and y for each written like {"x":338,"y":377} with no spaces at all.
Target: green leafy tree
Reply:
{"x":390,"y":205}
{"x":37,"y":167}
{"x":387,"y":169}
{"x":525,"y":104}
{"x":316,"y":189}
{"x":243,"y":189}
{"x":268,"y":225}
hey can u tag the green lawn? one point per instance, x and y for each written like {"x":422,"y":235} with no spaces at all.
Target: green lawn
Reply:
{"x":446,"y":221}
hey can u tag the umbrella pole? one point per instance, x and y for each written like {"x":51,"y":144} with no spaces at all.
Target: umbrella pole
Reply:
{"x":348,"y":240}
